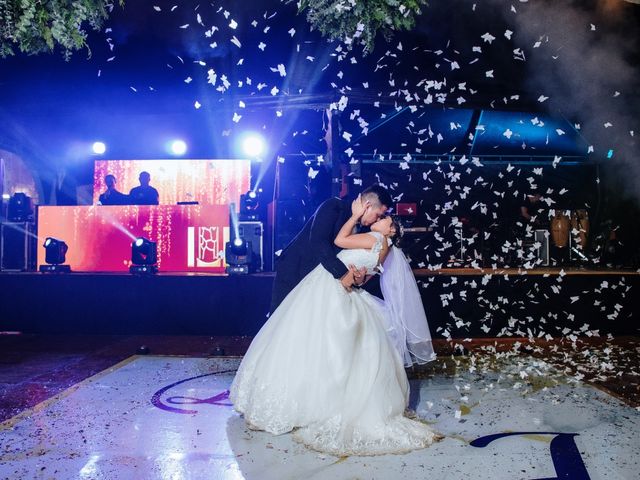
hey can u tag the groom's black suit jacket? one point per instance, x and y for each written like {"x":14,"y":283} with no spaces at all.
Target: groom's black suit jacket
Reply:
{"x":311,"y":247}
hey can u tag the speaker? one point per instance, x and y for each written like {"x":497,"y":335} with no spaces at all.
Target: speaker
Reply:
{"x":287,"y":218}
{"x":292,"y":178}
{"x":18,"y":249}
{"x":20,"y":208}
{"x":542,"y":237}
{"x":253,"y":233}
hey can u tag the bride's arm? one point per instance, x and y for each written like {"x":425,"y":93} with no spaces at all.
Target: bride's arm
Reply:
{"x":345,"y":237}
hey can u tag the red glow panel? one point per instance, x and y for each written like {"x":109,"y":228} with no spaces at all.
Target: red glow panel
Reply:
{"x":209,"y":182}
{"x":189,"y":237}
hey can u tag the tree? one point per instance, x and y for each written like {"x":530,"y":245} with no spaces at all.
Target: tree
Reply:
{"x":358,"y":21}
{"x":36,"y":26}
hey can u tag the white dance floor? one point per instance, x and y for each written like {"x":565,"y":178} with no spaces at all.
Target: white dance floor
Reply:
{"x":170,"y":418}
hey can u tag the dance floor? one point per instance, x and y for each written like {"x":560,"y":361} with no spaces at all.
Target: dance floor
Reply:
{"x":170,"y":417}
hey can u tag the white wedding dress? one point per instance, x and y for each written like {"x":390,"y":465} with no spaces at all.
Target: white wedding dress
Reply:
{"x":324,"y":366}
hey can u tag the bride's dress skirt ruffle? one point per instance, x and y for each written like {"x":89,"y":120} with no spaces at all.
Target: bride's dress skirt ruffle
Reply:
{"x":324,"y":366}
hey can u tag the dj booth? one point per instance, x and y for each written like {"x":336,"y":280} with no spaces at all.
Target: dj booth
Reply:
{"x":190,"y":226}
{"x":189,"y":238}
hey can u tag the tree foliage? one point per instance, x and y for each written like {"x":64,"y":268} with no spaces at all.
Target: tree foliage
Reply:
{"x":359,"y":21}
{"x":35,"y":26}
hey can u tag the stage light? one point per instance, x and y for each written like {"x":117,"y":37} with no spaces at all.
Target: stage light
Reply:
{"x":144,"y":256}
{"x":249,"y":206}
{"x":178,"y":147}
{"x":238,"y":256}
{"x":20,"y":208}
{"x":6,"y":196}
{"x":99,"y":148}
{"x":56,"y":251}
{"x":253,"y":145}
{"x":55,"y":255}
{"x":610,"y":154}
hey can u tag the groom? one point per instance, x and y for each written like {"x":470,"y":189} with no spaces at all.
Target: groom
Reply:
{"x":314,"y":244}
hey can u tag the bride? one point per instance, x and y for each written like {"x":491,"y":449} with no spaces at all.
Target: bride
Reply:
{"x":329,"y":363}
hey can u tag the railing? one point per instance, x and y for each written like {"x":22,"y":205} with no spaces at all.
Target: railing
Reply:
{"x":383,"y":158}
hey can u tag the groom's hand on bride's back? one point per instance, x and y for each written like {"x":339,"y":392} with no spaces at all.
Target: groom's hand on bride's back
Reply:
{"x":359,"y":276}
{"x":348,"y":278}
{"x":353,"y":276}
{"x":347,"y":281}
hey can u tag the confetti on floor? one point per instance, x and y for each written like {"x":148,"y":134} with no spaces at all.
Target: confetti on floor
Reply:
{"x":169,"y":417}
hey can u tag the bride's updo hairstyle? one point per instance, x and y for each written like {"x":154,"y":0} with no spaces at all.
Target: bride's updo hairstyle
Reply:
{"x":395,"y":221}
